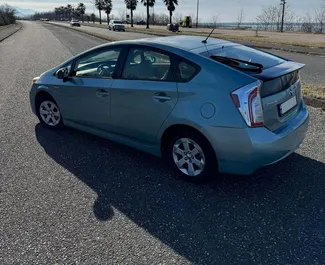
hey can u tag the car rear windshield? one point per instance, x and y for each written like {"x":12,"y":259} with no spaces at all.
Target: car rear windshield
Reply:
{"x":118,"y":22}
{"x":244,"y":53}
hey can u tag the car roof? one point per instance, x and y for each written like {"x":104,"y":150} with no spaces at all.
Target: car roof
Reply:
{"x":185,"y":42}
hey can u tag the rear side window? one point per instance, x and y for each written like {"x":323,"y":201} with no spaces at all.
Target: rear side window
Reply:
{"x":185,"y":70}
{"x":247,"y":54}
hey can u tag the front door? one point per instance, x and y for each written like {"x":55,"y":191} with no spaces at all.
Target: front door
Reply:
{"x":86,"y":96}
{"x":144,"y":95}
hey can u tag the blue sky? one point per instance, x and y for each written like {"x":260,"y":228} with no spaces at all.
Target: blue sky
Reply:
{"x":226,"y":10}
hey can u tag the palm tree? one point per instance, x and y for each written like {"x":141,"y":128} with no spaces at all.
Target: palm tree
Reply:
{"x":107,"y":8}
{"x":66,"y":12}
{"x":148,"y":4}
{"x":61,"y":8}
{"x":69,"y":10}
{"x":132,"y":5}
{"x":93,"y":17}
{"x":170,"y":4}
{"x":99,"y":4}
{"x":57,"y":12}
{"x":81,"y":10}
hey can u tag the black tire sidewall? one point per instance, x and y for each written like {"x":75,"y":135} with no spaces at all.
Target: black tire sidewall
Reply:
{"x":211,"y":168}
{"x":38,"y":104}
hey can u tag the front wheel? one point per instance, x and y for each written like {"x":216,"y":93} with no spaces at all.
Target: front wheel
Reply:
{"x":49,"y":113}
{"x":191,"y":156}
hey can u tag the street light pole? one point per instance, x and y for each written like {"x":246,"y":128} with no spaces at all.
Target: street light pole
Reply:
{"x":197,"y":13}
{"x":283,"y":3}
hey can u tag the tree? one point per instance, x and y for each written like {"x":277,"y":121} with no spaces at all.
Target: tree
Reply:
{"x":57,"y":12}
{"x":320,"y":19}
{"x":107,"y":7}
{"x":148,"y":4}
{"x":132,"y":5}
{"x":69,"y":11}
{"x":81,"y":10}
{"x":240,"y":18}
{"x":62,"y":11}
{"x":215,"y":21}
{"x":170,"y":4}
{"x":93,"y":17}
{"x":99,"y":4}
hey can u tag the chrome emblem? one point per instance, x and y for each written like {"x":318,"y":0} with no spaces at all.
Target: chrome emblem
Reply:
{"x":291,"y":91}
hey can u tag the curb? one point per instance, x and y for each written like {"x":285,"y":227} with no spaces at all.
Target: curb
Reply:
{"x":310,"y":101}
{"x":19,"y":28}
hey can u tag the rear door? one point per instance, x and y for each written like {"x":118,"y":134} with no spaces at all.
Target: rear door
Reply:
{"x":144,"y":95}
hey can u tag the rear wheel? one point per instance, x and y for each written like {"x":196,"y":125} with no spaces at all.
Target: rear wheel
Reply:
{"x":48,"y":112}
{"x":191,"y":156}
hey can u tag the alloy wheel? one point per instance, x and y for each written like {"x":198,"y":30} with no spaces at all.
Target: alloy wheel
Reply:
{"x":50,"y":113}
{"x":188,"y":157}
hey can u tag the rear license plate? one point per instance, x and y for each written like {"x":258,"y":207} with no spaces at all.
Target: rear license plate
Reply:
{"x":288,"y":105}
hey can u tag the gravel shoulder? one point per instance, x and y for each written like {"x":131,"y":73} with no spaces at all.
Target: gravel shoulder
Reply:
{"x":71,"y":198}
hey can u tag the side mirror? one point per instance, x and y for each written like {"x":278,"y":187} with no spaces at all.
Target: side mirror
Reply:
{"x":62,"y":73}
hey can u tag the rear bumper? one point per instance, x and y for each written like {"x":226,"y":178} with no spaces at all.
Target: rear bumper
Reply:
{"x":243,"y":151}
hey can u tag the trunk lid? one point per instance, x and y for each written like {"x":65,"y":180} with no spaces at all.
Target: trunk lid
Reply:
{"x":280,"y":93}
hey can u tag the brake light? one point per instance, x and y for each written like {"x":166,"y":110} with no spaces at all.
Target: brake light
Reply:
{"x":248,"y":101}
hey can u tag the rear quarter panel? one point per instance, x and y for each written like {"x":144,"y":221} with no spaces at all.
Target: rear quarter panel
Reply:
{"x":213,"y":86}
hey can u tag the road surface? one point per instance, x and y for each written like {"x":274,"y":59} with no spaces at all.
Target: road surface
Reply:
{"x":71,"y":198}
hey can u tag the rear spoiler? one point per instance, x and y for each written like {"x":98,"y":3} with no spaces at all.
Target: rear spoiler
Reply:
{"x":279,"y":70}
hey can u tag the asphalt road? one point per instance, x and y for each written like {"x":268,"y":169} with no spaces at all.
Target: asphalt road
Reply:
{"x":71,"y":198}
{"x":313,"y":73}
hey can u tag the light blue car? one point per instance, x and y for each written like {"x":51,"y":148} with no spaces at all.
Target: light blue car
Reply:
{"x":206,"y":107}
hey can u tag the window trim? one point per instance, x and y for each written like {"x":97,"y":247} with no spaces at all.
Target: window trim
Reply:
{"x":150,"y":48}
{"x":98,"y":50}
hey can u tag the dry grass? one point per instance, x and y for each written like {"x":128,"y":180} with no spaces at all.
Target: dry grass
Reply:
{"x":259,"y":39}
{"x":4,"y":27}
{"x":313,"y":91}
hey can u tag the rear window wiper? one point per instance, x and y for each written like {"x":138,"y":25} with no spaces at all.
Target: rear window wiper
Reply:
{"x":236,"y":63}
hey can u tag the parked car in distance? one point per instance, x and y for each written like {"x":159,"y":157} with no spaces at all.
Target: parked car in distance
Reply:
{"x":142,"y":22}
{"x":116,"y":25}
{"x":74,"y":23}
{"x":206,"y":107}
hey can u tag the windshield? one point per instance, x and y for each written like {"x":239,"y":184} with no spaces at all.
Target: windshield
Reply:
{"x":247,"y":54}
{"x":118,"y":22}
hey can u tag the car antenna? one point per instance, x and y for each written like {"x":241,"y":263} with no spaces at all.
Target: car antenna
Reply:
{"x":205,"y":41}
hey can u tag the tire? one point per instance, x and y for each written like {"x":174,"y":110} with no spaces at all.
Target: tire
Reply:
{"x":47,"y":107}
{"x":205,"y":156}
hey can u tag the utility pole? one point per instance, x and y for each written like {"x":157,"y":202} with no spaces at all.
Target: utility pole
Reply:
{"x":197,"y":13}
{"x":283,"y":3}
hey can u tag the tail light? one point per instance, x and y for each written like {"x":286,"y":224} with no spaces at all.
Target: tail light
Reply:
{"x":248,"y":101}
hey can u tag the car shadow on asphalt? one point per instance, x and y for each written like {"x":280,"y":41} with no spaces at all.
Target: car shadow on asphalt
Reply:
{"x":275,"y":215}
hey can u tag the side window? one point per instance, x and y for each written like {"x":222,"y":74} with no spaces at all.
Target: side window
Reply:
{"x":147,"y":64}
{"x":186,"y":71}
{"x":99,"y":64}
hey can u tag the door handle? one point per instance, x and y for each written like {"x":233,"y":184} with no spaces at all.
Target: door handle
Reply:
{"x":102,"y":93}
{"x":162,"y":97}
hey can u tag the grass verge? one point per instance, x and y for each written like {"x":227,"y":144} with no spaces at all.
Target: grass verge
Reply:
{"x":259,"y":39}
{"x":4,"y":27}
{"x":314,"y":91}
